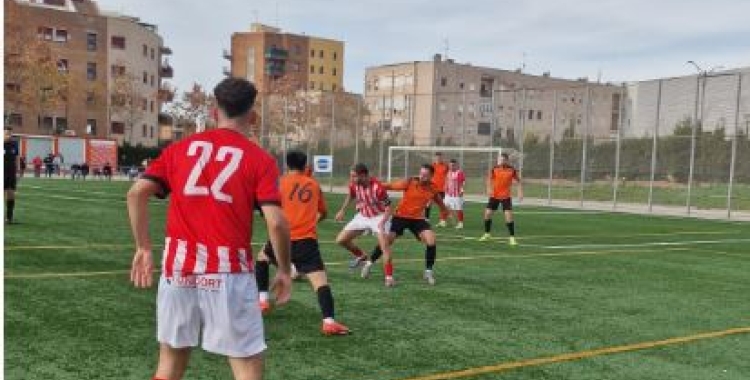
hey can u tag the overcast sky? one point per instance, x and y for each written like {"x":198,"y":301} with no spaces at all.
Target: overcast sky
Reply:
{"x":624,"y":40}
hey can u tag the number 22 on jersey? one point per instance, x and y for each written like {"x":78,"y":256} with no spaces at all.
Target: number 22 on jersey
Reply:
{"x":204,"y":150}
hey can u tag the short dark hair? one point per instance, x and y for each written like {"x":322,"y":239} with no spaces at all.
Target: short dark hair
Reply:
{"x":453,"y":161}
{"x":505,"y":156}
{"x":361,"y":169}
{"x":235,"y":96}
{"x":428,"y":167}
{"x":296,"y":160}
{"x":438,"y":153}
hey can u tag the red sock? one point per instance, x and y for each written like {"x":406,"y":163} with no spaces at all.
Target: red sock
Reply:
{"x":389,"y":269}
{"x":357,"y":252}
{"x":460,"y":215}
{"x":158,"y":378}
{"x":443,"y":215}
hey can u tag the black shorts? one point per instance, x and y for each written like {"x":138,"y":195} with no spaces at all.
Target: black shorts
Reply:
{"x":416,"y":226}
{"x":494,"y":203}
{"x":10,"y":180}
{"x":305,"y":255}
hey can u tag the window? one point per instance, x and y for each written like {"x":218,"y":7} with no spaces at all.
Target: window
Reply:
{"x":531,"y":114}
{"x":443,"y":81}
{"x":333,"y":87}
{"x":312,"y":69}
{"x":334,"y":71}
{"x":12,"y":87}
{"x":45,"y":33}
{"x":144,"y":104}
{"x":118,"y":42}
{"x":320,"y":54}
{"x":15,"y":119}
{"x":91,"y":126}
{"x":153,"y":53}
{"x":48,"y":122}
{"x":151,"y":106}
{"x":91,"y":41}
{"x":312,"y":85}
{"x":297,"y":50}
{"x":145,"y":50}
{"x":144,"y":131}
{"x":118,"y":70}
{"x":321,"y":70}
{"x":61,"y":124}
{"x":91,"y":71}
{"x":62,"y":66}
{"x":151,"y":134}
{"x":90,"y":98}
{"x":335,"y":56}
{"x":61,"y":35}
{"x":118,"y":128}
{"x":461,"y":85}
{"x":145,"y":77}
{"x":539,"y":115}
{"x":58,"y":3}
{"x":153,"y":80}
{"x":312,"y":53}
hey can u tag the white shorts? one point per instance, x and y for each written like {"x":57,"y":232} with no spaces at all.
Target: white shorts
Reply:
{"x":454,"y":203}
{"x":224,"y":307}
{"x":363,"y":223}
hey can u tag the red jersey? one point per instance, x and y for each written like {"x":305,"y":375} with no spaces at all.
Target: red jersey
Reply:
{"x":502,"y":177}
{"x":454,"y":186}
{"x":372,"y":199}
{"x":215,"y":178}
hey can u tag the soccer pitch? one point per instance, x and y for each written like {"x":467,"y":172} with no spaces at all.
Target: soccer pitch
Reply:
{"x":586,"y":295}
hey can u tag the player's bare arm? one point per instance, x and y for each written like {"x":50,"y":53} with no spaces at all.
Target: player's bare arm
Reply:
{"x":138,"y":196}
{"x":519,"y":190}
{"x":347,"y":201}
{"x":439,"y":201}
{"x":278,"y":233}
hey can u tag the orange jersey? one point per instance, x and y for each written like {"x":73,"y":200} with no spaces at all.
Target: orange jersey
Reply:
{"x":501,"y":179}
{"x":416,"y":198}
{"x":302,"y":201}
{"x":441,"y":173}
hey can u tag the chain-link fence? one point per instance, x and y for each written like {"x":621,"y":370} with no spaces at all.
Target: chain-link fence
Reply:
{"x":673,"y":145}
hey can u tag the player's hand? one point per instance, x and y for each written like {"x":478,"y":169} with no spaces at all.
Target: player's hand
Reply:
{"x":141,"y":273}
{"x":282,"y":288}
{"x":340,"y":216}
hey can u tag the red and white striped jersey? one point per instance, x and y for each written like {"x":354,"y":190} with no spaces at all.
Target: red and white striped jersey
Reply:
{"x":454,"y":185}
{"x":372,"y":199}
{"x":215,"y":179}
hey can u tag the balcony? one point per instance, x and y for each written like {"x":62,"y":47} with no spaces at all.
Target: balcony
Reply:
{"x":226,"y":71}
{"x":227,"y":55}
{"x":166,"y":70}
{"x":165,"y":50}
{"x":274,"y":69}
{"x":277,"y":54}
{"x":166,"y":93}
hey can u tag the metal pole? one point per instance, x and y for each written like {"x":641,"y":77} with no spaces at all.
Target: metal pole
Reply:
{"x":263,"y":120}
{"x":284,"y":148}
{"x":654,"y":149}
{"x":734,"y":146}
{"x":552,"y":143}
{"x":406,"y":163}
{"x":492,"y":123}
{"x":331,"y":142}
{"x":618,"y":152}
{"x":584,"y":150}
{"x":356,"y":131}
{"x":523,"y":132}
{"x":382,"y":132}
{"x":692,"y":141}
{"x":463,"y":126}
{"x":390,"y":155}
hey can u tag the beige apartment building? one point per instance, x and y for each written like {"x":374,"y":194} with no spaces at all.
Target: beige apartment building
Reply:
{"x":444,"y":102}
{"x":277,"y":61}
{"x":92,"y":47}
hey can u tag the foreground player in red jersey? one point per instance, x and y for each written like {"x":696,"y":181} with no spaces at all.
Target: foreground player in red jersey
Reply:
{"x":207,"y":290}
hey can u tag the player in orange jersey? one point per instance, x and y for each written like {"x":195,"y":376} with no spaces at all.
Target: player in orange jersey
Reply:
{"x":440,"y":168}
{"x":418,"y":193}
{"x":304,"y":206}
{"x":499,"y":186}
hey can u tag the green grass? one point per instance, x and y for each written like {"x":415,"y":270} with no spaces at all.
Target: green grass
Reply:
{"x":578,"y":281}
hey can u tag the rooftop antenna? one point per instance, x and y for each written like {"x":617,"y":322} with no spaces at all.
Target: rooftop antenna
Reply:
{"x":446,"y":46}
{"x":255,"y":16}
{"x":599,"y":76}
{"x":523,"y":61}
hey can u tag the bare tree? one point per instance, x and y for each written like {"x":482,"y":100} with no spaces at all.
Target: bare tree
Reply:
{"x":193,"y":109}
{"x":127,"y":102}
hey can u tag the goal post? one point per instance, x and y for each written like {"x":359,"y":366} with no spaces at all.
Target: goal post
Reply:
{"x":404,"y":161}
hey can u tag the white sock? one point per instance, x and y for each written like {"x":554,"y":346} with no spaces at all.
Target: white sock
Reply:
{"x":328,"y":320}
{"x":263,"y":296}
